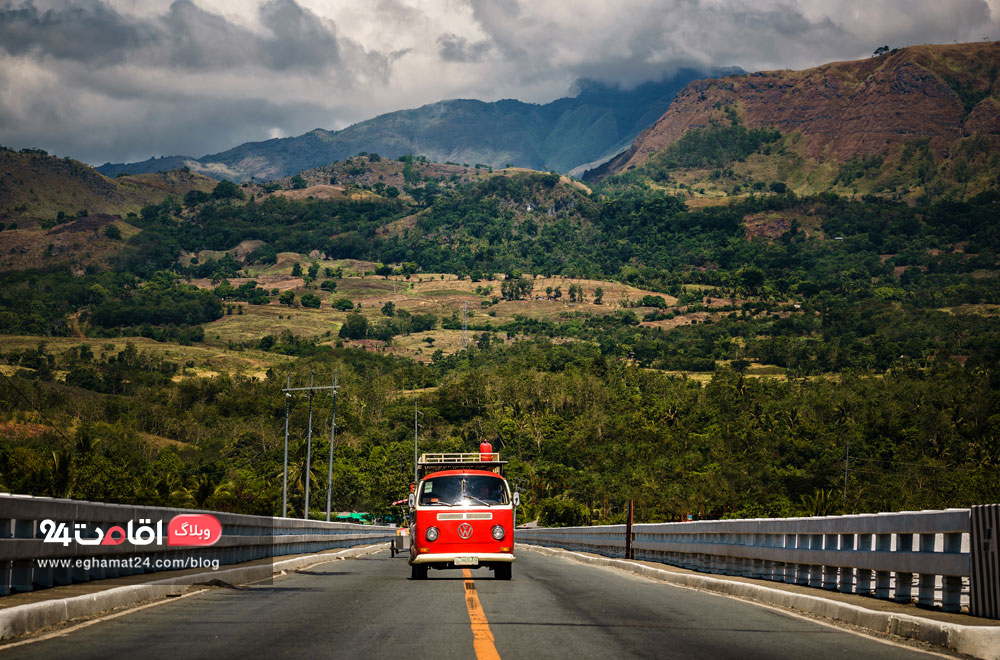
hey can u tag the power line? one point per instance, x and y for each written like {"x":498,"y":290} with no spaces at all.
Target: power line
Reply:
{"x":36,"y":408}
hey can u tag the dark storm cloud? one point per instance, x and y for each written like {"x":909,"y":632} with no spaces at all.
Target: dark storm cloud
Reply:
{"x":186,"y":36}
{"x":453,"y":48}
{"x":300,"y":38}
{"x":94,"y":32}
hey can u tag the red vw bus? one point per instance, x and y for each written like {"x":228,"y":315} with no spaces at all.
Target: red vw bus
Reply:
{"x":463,"y":514}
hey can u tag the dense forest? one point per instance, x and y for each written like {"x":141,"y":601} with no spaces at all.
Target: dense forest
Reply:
{"x":850,"y":298}
{"x":584,"y":433}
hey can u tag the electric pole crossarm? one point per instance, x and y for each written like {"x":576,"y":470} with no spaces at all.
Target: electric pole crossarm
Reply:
{"x":303,"y":389}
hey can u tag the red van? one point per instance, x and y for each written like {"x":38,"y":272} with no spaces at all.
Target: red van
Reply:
{"x":462,"y":514}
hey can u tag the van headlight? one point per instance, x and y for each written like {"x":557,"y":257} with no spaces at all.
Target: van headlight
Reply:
{"x":498,"y":532}
{"x":431,"y":534}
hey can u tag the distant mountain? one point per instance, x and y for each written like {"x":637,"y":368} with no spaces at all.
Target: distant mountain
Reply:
{"x":568,"y":133}
{"x":923,"y":117}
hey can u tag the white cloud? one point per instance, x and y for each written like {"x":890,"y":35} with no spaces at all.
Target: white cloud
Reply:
{"x":127,"y":79}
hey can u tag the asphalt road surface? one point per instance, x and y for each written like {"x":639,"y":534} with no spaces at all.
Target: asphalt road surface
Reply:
{"x":369,"y":608}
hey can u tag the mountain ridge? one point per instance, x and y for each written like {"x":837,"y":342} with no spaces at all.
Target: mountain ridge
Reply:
{"x":564,"y":134}
{"x":943,"y":93}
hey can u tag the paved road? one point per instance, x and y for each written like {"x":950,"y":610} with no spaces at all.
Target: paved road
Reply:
{"x":369,"y":608}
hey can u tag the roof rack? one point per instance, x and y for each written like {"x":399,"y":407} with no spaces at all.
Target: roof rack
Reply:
{"x":467,"y":461}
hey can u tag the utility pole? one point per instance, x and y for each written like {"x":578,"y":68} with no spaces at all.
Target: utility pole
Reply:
{"x":333,"y":431}
{"x":310,"y":390}
{"x":847,"y":458}
{"x":629,"y":553}
{"x":465,"y":324}
{"x":309,"y":440}
{"x":416,"y":427}
{"x":284,"y":478}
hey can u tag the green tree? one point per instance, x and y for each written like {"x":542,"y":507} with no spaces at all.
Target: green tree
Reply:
{"x":287,"y":298}
{"x":355,"y":327}
{"x":310,"y":300}
{"x":196,"y":197}
{"x":227,"y":190}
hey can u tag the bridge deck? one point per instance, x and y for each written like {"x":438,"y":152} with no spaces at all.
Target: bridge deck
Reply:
{"x":367,"y":607}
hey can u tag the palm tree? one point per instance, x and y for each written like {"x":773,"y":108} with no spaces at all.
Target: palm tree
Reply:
{"x":62,"y":477}
{"x":820,"y":503}
{"x":198,"y":489}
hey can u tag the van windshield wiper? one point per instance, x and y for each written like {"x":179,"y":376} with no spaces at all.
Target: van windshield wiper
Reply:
{"x":473,"y":497}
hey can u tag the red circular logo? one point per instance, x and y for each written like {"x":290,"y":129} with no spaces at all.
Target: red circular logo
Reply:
{"x":465,"y":530}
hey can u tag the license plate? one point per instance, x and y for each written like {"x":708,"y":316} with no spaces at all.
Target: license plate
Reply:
{"x":466,"y":561}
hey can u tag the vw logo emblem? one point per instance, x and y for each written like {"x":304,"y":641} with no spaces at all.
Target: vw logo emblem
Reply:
{"x":465,"y":530}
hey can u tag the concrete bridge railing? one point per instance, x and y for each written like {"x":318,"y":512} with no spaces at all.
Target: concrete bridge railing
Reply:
{"x":244,"y":538}
{"x":940,"y":558}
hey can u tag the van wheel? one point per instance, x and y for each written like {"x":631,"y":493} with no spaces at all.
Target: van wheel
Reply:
{"x":502,"y":571}
{"x":418,"y":572}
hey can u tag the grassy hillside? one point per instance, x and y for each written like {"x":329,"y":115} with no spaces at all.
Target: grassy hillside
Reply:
{"x":35,"y":188}
{"x":709,"y":166}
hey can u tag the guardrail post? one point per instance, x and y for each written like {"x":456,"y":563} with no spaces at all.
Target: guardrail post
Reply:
{"x":20,"y":572}
{"x":628,"y":529}
{"x":846,"y":584}
{"x":925,"y":588}
{"x":864,"y":585}
{"x":771,"y":567}
{"x":830,"y":572}
{"x":815,"y":571}
{"x":6,"y":525}
{"x":777,"y":573}
{"x":904,"y":581}
{"x":789,"y":568}
{"x":733,"y":565}
{"x":801,"y":570}
{"x":41,"y":578}
{"x":951,"y":586}
{"x":757,"y":565}
{"x":883,"y":579}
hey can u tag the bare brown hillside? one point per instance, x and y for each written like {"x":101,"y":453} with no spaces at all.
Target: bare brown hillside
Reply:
{"x":942,"y":93}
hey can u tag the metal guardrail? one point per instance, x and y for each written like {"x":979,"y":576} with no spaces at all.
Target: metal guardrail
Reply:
{"x":884,"y":555}
{"x":244,"y":538}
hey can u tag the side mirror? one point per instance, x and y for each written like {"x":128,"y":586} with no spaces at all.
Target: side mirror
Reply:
{"x":517,"y":498}
{"x":411,"y":500}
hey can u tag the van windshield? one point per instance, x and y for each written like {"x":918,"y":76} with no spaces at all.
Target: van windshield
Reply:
{"x":463,"y":490}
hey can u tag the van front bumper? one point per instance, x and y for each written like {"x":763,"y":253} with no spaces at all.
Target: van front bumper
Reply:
{"x":449,"y":558}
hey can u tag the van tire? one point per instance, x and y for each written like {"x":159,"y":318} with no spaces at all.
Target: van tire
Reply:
{"x":418,"y":572}
{"x":503,"y":571}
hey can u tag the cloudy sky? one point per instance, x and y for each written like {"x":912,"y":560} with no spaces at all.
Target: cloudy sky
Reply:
{"x":124,"y":80}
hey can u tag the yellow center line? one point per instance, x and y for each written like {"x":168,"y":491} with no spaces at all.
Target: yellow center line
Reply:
{"x":482,"y":638}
